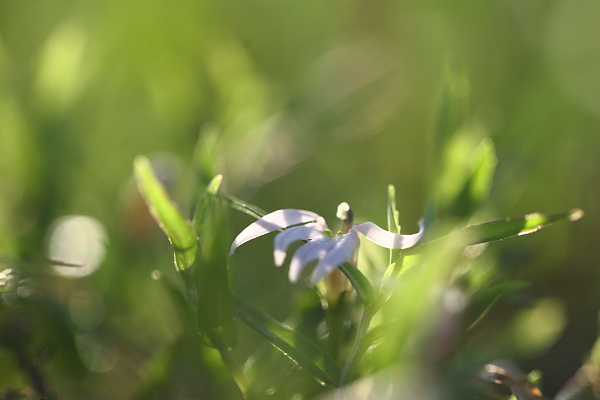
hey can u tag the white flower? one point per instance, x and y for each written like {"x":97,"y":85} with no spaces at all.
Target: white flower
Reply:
{"x":330,"y":252}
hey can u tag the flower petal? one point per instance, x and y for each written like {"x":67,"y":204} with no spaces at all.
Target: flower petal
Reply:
{"x":276,"y":220}
{"x":316,"y":249}
{"x":388,"y":239}
{"x":289,"y":236}
{"x":342,"y":251}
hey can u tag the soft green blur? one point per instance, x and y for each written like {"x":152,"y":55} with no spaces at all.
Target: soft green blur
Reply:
{"x":298,"y":105}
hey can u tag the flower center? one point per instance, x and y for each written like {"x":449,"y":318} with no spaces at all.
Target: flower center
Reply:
{"x":344,"y":212}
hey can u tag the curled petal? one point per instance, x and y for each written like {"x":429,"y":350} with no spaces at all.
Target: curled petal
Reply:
{"x":316,"y":249}
{"x":388,"y":239}
{"x":276,"y":220}
{"x":289,"y":236}
{"x":342,"y":251}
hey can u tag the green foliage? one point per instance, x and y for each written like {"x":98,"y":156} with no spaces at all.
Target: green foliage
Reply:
{"x":317,"y":104}
{"x":488,"y":232}
{"x":204,"y":273}
{"x":505,"y":228}
{"x":363,"y":287}
{"x":167,"y":215}
{"x":215,"y":313}
{"x":292,"y":344}
{"x":205,"y":204}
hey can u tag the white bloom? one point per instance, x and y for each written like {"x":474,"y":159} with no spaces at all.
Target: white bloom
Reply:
{"x":330,"y":252}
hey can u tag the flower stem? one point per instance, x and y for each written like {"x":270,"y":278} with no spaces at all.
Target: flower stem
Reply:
{"x":357,"y":348}
{"x":335,"y":315}
{"x":236,"y":373}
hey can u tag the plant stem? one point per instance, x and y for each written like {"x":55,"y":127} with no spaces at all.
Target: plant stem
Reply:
{"x":356,"y":353}
{"x":236,"y":373}
{"x":335,"y":315}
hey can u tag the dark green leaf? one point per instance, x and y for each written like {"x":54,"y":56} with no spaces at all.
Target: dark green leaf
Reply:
{"x":295,"y":346}
{"x":484,"y":301}
{"x":361,"y":284}
{"x":215,"y":311}
{"x":486,"y":295}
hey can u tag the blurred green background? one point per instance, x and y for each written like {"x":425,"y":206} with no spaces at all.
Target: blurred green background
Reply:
{"x":305,"y":104}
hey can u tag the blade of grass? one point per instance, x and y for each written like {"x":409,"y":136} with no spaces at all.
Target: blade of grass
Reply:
{"x":295,"y":346}
{"x":166,"y":213}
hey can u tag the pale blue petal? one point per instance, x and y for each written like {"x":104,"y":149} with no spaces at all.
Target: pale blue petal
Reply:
{"x":289,"y":236}
{"x":311,"y":251}
{"x":342,"y":251}
{"x":388,"y":239}
{"x":276,"y":220}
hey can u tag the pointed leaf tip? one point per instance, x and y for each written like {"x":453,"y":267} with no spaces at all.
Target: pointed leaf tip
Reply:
{"x":214,"y":185}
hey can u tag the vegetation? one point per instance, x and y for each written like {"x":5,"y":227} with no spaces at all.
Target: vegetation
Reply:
{"x":137,"y":140}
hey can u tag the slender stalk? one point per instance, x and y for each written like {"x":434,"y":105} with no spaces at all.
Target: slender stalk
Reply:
{"x":335,"y":316}
{"x":242,"y":206}
{"x":357,"y":348}
{"x":237,"y":374}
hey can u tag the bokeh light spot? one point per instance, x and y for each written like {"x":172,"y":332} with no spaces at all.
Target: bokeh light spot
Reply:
{"x":78,"y":242}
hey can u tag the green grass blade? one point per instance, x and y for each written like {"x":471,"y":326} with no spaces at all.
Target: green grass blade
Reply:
{"x":205,"y":202}
{"x":244,"y":207}
{"x":452,"y":106}
{"x":505,"y":228}
{"x":215,"y":310}
{"x":475,"y":190}
{"x":393,"y":218}
{"x":295,"y":346}
{"x":489,"y":232}
{"x":166,"y":213}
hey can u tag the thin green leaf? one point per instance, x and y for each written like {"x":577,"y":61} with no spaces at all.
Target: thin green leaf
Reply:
{"x":361,"y":284}
{"x":414,"y":300}
{"x":186,"y":313}
{"x":166,"y":213}
{"x":452,"y":106}
{"x":393,"y":219}
{"x":485,"y":296}
{"x":295,"y":346}
{"x":205,"y":202}
{"x":489,"y":232}
{"x":482,"y":166}
{"x":505,"y":228}
{"x":244,"y":207}
{"x":205,"y":154}
{"x":484,"y":301}
{"x":267,"y":367}
{"x":387,"y":280}
{"x":485,"y":168}
{"x":215,"y":311}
